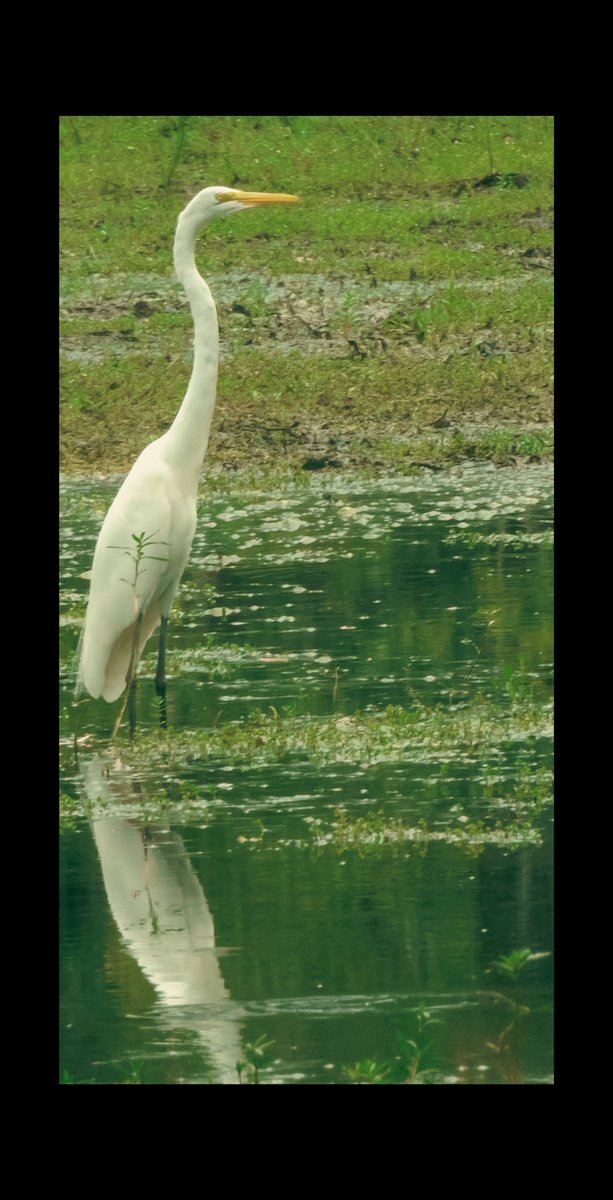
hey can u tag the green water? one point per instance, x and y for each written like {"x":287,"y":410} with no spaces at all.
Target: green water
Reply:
{"x":208,"y":901}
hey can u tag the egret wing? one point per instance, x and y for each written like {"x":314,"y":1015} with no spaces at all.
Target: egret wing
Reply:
{"x":133,"y":567}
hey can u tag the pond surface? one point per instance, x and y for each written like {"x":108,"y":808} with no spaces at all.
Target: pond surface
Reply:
{"x":349,"y":823}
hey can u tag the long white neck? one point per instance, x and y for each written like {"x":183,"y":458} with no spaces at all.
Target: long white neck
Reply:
{"x":188,"y":435}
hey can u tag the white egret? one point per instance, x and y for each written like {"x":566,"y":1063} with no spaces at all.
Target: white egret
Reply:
{"x":144,"y":543}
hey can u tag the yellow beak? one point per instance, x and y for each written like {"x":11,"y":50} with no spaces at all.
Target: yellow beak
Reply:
{"x":259,"y":197}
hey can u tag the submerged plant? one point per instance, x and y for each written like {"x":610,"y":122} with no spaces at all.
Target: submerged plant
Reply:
{"x":506,"y":1045}
{"x":421,"y":1059}
{"x":511,"y":965}
{"x":136,"y":1073}
{"x":255,"y":1053}
{"x":518,"y":683}
{"x":417,"y":1060}
{"x":369,"y":1071}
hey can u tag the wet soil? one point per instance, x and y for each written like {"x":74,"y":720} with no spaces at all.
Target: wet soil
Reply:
{"x":366,"y":326}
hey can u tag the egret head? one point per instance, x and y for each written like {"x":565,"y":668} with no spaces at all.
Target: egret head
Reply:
{"x":220,"y":201}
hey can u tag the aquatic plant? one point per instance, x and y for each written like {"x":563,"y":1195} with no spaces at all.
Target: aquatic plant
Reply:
{"x":372,"y":833}
{"x":421,"y":1059}
{"x":255,"y":1053}
{"x":506,"y":1044}
{"x":391,"y":734}
{"x":418,"y":1059}
{"x":369,"y":1071}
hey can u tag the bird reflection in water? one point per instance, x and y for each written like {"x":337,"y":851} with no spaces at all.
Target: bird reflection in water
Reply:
{"x":162,"y":914}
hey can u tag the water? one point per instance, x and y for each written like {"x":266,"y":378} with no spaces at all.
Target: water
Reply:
{"x":210,"y":899}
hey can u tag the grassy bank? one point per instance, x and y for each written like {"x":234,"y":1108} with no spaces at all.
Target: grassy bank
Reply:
{"x":401,"y":314}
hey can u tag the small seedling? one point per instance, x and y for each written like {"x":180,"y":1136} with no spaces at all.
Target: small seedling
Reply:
{"x":369,"y":1071}
{"x":254,"y":1053}
{"x":414,"y":1062}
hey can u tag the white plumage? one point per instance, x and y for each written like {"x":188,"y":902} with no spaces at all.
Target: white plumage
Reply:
{"x":159,"y":496}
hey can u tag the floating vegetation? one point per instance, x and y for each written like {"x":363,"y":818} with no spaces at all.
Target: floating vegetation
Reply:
{"x":376,"y":830}
{"x":418,"y":734}
{"x":215,"y":660}
{"x":167,"y":776}
{"x":514,"y":541}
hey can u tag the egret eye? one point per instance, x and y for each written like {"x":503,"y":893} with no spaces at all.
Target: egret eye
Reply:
{"x":223,"y":196}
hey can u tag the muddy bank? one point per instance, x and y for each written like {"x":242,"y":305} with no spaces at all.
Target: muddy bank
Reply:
{"x":316,"y":373}
{"x":312,"y":314}
{"x":243,"y":442}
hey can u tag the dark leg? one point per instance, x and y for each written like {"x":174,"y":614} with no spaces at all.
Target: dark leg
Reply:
{"x":132,"y":706}
{"x":131,"y":679}
{"x":160,"y":674}
{"x":130,"y":697}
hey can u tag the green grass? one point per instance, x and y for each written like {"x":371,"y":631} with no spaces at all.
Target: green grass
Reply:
{"x":385,"y":199}
{"x":360,"y":178}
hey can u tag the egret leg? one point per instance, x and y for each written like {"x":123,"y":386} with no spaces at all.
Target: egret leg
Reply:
{"x":130,"y":699}
{"x":160,"y":674}
{"x":131,"y":678}
{"x":132,"y":705}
